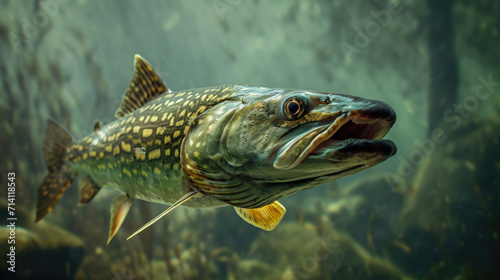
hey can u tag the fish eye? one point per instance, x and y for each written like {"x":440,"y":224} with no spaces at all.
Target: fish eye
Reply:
{"x":291,"y":108}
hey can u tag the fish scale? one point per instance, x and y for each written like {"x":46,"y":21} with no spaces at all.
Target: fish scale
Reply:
{"x":143,"y":148}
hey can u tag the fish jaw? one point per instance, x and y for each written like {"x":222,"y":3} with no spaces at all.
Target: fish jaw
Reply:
{"x":353,"y":134}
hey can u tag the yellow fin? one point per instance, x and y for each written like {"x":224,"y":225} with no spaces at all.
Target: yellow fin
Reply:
{"x":266,"y":218}
{"x":145,"y":86}
{"x":87,"y":189}
{"x":119,"y":209}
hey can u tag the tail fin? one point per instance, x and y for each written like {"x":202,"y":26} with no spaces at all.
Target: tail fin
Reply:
{"x":55,"y":142}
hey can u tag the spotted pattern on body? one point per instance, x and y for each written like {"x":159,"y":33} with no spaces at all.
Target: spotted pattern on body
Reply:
{"x":143,"y":147}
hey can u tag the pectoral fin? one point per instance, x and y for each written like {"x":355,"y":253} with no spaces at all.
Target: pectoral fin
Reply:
{"x":119,"y":209}
{"x":87,"y":189}
{"x":266,"y":218}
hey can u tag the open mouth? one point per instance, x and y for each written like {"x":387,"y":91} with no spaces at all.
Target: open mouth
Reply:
{"x":352,"y":132}
{"x":357,"y":131}
{"x":361,"y":130}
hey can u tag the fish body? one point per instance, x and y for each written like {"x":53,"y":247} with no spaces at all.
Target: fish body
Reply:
{"x":139,"y":154}
{"x":239,"y":145}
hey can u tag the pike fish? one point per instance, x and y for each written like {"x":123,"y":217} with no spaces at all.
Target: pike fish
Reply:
{"x":234,"y":145}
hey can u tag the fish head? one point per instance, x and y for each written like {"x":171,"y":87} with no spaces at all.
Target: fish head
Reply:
{"x":270,"y":143}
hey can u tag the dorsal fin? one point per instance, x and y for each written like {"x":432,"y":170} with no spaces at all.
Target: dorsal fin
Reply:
{"x":266,"y":218}
{"x":97,"y":125}
{"x":145,"y":85}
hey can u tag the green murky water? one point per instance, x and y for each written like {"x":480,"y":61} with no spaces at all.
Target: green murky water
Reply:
{"x":429,"y":212}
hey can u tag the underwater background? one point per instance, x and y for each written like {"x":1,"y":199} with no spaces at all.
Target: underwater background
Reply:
{"x":429,"y":212}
